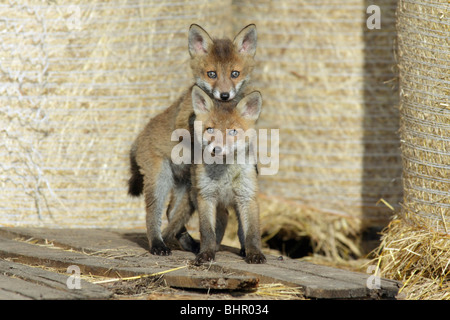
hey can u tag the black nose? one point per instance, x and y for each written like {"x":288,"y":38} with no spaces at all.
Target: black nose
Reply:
{"x":217,"y":150}
{"x":224,"y":96}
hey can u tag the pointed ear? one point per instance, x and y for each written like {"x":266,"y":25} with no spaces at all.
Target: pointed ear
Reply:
{"x":246,"y":40}
{"x":250,"y":106}
{"x":199,"y":40}
{"x":201,"y":102}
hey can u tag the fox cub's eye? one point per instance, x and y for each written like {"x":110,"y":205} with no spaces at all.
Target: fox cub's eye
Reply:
{"x":235,"y":74}
{"x":232,"y":132}
{"x":210,"y":130}
{"x":212,"y":74}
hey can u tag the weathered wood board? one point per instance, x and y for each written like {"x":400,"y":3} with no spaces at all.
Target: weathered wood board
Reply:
{"x":18,"y":281}
{"x":124,"y":253}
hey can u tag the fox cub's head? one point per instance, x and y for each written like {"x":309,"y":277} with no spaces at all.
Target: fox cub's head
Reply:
{"x":221,"y":66}
{"x":222,"y":127}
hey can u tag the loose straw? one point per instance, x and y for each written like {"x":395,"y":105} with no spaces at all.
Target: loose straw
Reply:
{"x":139,"y":276}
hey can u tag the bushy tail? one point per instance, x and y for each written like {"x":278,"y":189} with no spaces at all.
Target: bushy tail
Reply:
{"x":136,"y":181}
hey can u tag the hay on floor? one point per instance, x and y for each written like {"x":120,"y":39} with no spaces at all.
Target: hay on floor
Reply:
{"x":335,"y":237}
{"x":417,"y":254}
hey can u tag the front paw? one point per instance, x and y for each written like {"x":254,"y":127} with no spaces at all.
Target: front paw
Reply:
{"x":203,"y":257}
{"x":160,"y":250}
{"x":256,"y":257}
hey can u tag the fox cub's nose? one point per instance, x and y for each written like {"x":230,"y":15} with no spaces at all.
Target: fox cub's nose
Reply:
{"x":224,"y":96}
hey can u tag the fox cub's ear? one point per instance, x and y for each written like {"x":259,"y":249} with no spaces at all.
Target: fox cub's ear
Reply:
{"x":246,"y":39}
{"x":250,"y":106}
{"x":201,"y":103}
{"x":199,"y":40}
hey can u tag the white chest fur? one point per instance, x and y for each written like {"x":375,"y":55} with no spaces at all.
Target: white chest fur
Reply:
{"x":223,"y":183}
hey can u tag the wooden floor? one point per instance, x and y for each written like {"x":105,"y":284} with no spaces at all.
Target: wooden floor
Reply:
{"x":34,"y":262}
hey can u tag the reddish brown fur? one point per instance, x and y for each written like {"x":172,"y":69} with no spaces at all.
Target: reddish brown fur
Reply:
{"x":223,"y":59}
{"x":150,"y":158}
{"x":225,"y":119}
{"x":223,"y":56}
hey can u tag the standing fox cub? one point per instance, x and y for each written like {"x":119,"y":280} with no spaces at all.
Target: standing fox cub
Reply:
{"x":228,"y":181}
{"x":221,"y":68}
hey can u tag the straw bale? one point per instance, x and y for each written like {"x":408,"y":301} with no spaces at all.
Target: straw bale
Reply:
{"x":424,"y":53}
{"x":79,"y":80}
{"x":329,"y":84}
{"x":416,"y":245}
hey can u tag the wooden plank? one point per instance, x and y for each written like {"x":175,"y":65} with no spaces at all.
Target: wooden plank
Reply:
{"x":212,"y":280}
{"x":316,"y":281}
{"x":52,"y":280}
{"x":132,"y":248}
{"x":7,"y":294}
{"x":312,"y":285}
{"x":85,"y":240}
{"x":30,"y":290}
{"x":388,"y":288}
{"x":189,"y":277}
{"x":38,"y":255}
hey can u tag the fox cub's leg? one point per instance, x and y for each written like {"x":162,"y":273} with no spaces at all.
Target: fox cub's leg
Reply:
{"x":249,"y":233}
{"x":156,"y":189}
{"x":208,"y":241}
{"x":241,"y":235}
{"x":221,"y":224}
{"x":179,"y":212}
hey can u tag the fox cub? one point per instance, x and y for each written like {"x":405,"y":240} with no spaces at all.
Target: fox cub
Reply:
{"x":221,"y":130}
{"x":220,"y":67}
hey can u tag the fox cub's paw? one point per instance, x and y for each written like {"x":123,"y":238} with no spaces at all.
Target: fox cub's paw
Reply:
{"x":255,"y":257}
{"x":203,"y":257}
{"x":160,"y":250}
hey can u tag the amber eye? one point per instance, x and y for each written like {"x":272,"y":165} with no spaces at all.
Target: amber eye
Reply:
{"x":210,"y":130}
{"x":235,"y":74}
{"x":232,"y":132}
{"x":212,"y":74}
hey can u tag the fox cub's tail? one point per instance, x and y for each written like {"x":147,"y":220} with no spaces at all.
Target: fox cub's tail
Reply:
{"x":136,"y":181}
